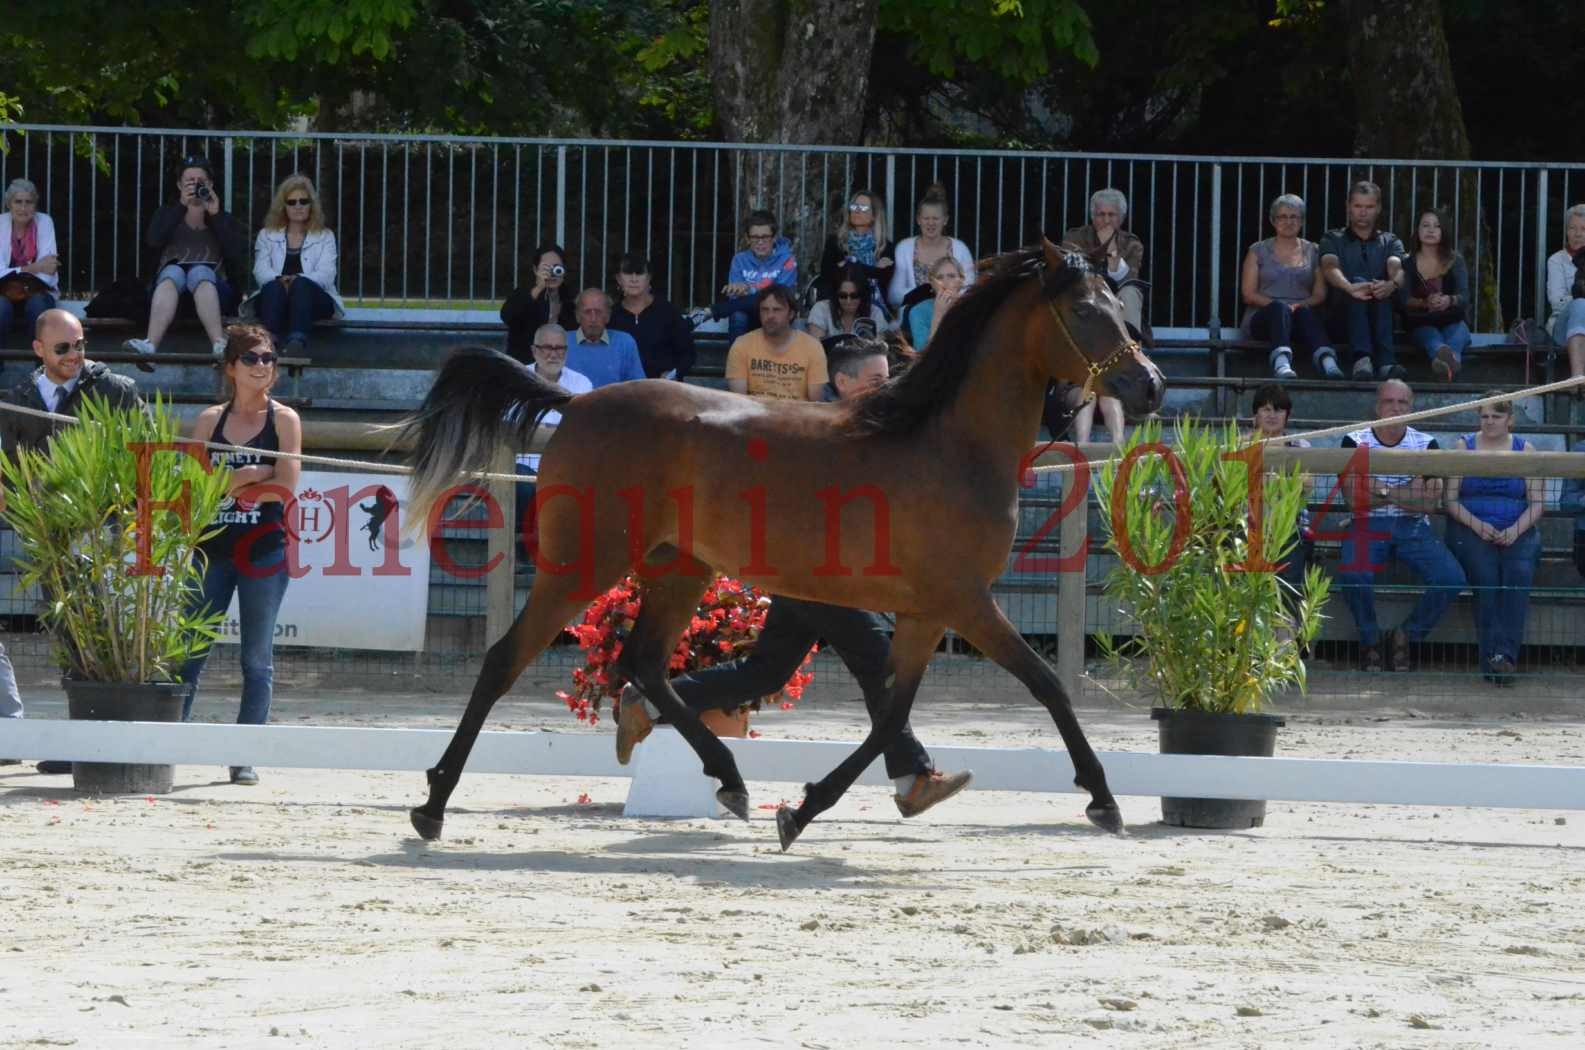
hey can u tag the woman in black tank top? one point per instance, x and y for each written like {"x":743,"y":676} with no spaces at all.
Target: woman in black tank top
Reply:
{"x":248,"y":557}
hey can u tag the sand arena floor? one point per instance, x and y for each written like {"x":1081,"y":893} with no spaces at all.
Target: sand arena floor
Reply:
{"x":304,"y":912}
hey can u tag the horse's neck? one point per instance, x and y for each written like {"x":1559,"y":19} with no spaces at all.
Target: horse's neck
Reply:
{"x":996,"y":414}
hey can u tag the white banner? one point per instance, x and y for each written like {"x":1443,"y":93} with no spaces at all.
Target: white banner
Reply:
{"x":354,"y":591}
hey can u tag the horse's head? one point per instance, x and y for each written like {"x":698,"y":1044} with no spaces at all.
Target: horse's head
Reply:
{"x":1089,"y":343}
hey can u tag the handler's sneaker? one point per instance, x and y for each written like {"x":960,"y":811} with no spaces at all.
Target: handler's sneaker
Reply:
{"x":632,"y":722}
{"x":930,"y":788}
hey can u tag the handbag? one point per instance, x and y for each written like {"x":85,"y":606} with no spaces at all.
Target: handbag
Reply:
{"x":19,"y":287}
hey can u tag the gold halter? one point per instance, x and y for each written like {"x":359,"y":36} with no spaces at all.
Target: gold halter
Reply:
{"x":1097,"y":368}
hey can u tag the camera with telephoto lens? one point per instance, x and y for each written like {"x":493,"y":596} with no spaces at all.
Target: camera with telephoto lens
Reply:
{"x":201,"y":191}
{"x":557,"y":270}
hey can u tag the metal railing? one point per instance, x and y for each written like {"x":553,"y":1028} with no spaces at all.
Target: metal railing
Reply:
{"x":452,"y":218}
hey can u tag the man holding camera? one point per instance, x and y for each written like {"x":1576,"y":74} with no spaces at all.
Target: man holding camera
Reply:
{"x":195,"y":243}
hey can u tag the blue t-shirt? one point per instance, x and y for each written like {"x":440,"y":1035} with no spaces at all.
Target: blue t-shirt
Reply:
{"x":612,"y":360}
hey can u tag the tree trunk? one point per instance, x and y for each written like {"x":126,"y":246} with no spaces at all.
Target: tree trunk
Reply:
{"x":1407,"y":108}
{"x":793,"y":71}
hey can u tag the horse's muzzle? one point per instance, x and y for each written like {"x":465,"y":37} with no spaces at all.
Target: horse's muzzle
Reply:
{"x":1140,"y":386}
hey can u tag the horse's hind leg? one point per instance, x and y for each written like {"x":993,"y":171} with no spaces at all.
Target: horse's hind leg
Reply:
{"x":668,"y":605}
{"x":551,"y":606}
{"x":988,"y":630}
{"x":912,"y":645}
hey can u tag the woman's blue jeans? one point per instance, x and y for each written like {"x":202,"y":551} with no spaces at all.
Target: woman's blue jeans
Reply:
{"x":1501,"y":578}
{"x":290,"y":312}
{"x":32,"y":307}
{"x":1430,"y":337}
{"x":259,"y":591}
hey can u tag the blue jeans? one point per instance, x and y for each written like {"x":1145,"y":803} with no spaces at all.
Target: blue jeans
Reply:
{"x":290,"y":312}
{"x":1569,"y":322}
{"x":259,"y":592}
{"x":188,"y":278}
{"x":1430,"y":337}
{"x":1501,"y":578}
{"x":1412,"y":540}
{"x":1369,"y":327}
{"x":525,"y":507}
{"x":1278,"y":325}
{"x":10,"y":698}
{"x":741,"y":313}
{"x":29,"y":315}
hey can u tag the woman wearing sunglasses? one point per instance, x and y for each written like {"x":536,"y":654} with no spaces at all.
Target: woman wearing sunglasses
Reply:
{"x":248,"y":556}
{"x":860,"y":240}
{"x":850,"y":311}
{"x":294,"y":261}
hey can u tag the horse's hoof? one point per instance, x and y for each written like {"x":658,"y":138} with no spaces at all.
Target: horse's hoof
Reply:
{"x":736,"y":801}
{"x":1107,"y":817}
{"x":787,"y":827}
{"x":428,"y":827}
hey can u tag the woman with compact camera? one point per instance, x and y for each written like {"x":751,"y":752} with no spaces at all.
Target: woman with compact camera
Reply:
{"x":543,"y":302}
{"x":199,"y":252}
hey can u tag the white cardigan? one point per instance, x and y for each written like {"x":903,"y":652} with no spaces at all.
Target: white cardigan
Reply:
{"x":903,"y":269}
{"x":319,"y":261}
{"x":1559,"y":282}
{"x":46,"y":239}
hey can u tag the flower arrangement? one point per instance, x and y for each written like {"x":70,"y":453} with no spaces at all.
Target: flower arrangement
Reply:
{"x":724,"y":627}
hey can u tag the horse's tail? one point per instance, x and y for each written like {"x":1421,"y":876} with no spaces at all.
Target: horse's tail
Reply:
{"x":481,"y":400}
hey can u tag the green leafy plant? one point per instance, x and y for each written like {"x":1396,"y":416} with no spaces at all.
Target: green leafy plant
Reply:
{"x":1214,"y":628}
{"x":117,"y":613}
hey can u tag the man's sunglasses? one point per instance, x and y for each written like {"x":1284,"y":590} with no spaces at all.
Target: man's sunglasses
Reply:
{"x":849,"y":295}
{"x":251,"y":358}
{"x":298,"y":202}
{"x":62,"y":349}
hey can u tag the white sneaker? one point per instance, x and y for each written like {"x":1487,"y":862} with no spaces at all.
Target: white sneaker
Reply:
{"x":1283,"y":368}
{"x":138,"y":346}
{"x":218,"y":348}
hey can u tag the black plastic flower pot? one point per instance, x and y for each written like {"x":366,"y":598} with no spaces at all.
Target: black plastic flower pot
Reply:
{"x":1200,"y":733}
{"x":124,"y":702}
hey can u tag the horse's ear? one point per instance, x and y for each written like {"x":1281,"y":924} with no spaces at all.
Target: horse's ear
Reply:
{"x":1056,"y":259}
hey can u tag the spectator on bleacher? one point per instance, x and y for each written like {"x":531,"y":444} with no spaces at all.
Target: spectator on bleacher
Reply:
{"x":663,"y":335}
{"x":199,"y":252}
{"x":1436,"y":289}
{"x":1283,"y":291}
{"x":859,"y":242}
{"x":1111,"y":411}
{"x":64,"y":377}
{"x":1572,"y":501}
{"x":775,"y":360}
{"x":29,"y":261}
{"x":544,"y":302}
{"x":1565,"y":291}
{"x":858,"y":364}
{"x":924,"y":317}
{"x":1112,"y":250}
{"x":248,"y":556}
{"x":1395,"y":508}
{"x":294,"y":262}
{"x":915,"y":255}
{"x":766,"y":260}
{"x":1491,"y":530}
{"x":1271,"y":410}
{"x":792,"y":627}
{"x":849,"y":311}
{"x":598,"y":351}
{"x":1364,"y":266}
{"x":550,"y":362}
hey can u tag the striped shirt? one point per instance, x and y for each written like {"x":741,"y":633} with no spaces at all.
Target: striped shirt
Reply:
{"x":1412,"y":441}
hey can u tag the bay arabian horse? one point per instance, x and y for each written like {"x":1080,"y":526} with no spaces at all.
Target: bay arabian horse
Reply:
{"x":904,"y":501}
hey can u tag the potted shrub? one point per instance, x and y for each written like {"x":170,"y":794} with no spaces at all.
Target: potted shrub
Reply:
{"x":723,"y":628}
{"x":121,"y":635}
{"x":1211,"y":640}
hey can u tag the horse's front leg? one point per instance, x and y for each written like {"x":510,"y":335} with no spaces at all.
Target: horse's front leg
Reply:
{"x":985,"y":627}
{"x":912,"y":644}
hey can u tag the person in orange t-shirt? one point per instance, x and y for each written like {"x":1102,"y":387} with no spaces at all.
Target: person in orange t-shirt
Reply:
{"x":776,"y":361}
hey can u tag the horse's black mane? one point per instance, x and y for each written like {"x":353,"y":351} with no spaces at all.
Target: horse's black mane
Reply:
{"x":932,"y":381}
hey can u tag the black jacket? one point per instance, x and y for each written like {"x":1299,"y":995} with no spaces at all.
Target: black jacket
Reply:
{"x":833,"y":261}
{"x":19,"y":431}
{"x":523,"y":314}
{"x":233,"y":243}
{"x":664,"y":337}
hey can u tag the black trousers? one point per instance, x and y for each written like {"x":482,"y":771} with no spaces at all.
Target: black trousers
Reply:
{"x":791,"y":628}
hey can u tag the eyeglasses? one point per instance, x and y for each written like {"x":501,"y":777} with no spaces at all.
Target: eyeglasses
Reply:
{"x":298,"y":202}
{"x":62,"y":349}
{"x":861,"y":207}
{"x":551,"y":347}
{"x":849,"y":295}
{"x":762,"y":236}
{"x":251,"y":358}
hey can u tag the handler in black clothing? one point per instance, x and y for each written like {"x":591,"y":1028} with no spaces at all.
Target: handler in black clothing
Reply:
{"x":792,"y":626}
{"x":664,"y":337}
